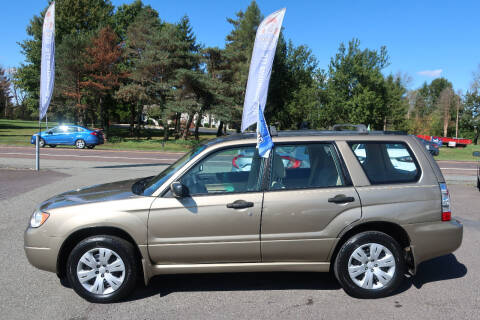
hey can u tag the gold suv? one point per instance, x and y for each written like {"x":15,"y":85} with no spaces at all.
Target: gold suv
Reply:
{"x":369,"y":206}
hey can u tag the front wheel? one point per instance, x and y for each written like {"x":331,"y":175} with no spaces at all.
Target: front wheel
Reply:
{"x":103,"y":269}
{"x":370,"y":265}
{"x":80,"y":144}
{"x":41,"y":143}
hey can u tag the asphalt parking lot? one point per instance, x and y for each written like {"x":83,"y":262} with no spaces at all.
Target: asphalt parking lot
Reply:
{"x":444,"y":288}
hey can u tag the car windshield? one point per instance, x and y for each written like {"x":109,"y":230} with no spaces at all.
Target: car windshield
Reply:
{"x":158,"y":180}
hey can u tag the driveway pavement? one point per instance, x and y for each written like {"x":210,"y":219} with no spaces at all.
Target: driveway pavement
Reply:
{"x":444,"y":288}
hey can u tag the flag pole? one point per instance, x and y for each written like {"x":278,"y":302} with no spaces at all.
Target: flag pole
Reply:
{"x":37,"y":145}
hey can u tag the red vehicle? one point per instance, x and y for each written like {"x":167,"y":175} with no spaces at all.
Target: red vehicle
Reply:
{"x":444,"y":140}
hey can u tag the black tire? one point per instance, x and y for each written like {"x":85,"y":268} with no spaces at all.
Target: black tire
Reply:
{"x":91,"y":146}
{"x":41,"y":143}
{"x":342,"y":259}
{"x":478,"y":184}
{"x":124,"y":249}
{"x":80,"y":144}
{"x":52,"y":145}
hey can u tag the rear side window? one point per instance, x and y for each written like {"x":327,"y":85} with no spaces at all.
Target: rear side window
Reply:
{"x":386,"y":162}
{"x":302,"y":166}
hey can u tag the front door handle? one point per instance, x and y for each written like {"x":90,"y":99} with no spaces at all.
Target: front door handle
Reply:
{"x":240,"y":204}
{"x":341,"y":198}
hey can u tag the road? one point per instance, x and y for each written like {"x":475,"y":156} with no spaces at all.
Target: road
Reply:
{"x":444,"y":288}
{"x":123,"y":156}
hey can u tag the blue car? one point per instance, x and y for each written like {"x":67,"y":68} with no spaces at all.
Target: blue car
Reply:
{"x":70,"y":135}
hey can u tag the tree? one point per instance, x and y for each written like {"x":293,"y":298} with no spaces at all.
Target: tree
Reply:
{"x":71,"y":17}
{"x":136,"y":90}
{"x":445,"y":102}
{"x":5,"y":94}
{"x":217,"y":66}
{"x":301,"y":90}
{"x":238,"y":49}
{"x":355,"y":89}
{"x":125,"y":15}
{"x":470,"y":117}
{"x":103,"y":75}
{"x":70,"y":92}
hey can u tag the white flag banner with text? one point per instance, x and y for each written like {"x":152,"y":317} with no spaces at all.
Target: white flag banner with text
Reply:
{"x":47,"y":74}
{"x":261,"y":67}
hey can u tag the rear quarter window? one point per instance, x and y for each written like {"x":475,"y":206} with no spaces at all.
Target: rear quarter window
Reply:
{"x":386,"y":162}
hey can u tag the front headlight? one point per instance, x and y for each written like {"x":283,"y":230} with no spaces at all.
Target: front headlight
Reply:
{"x":38,"y":218}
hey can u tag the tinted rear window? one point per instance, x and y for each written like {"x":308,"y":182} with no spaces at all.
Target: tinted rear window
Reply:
{"x":386,"y":162}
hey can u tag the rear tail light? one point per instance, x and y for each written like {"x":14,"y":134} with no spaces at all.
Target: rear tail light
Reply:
{"x":94,"y":133}
{"x":446,"y":211}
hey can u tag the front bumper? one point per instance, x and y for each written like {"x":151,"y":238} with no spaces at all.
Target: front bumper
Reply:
{"x":434,"y":239}
{"x":41,"y":250}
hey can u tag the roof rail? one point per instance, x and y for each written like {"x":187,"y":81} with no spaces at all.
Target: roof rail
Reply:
{"x":358,"y":127}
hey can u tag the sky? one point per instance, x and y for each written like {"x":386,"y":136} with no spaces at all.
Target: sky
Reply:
{"x":424,"y":39}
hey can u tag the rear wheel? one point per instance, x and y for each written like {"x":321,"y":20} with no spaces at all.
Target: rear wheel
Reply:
{"x":370,"y":265}
{"x":80,"y":144}
{"x":103,"y":269}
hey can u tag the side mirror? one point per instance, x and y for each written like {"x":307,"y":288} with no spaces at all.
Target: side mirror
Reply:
{"x":50,"y":132}
{"x":476,"y":154}
{"x":178,"y":190}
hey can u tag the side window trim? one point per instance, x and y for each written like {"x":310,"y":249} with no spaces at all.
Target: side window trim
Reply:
{"x":407,"y":147}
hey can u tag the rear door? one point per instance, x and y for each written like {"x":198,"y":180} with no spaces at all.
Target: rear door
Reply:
{"x":398,"y":190}
{"x":309,"y":198}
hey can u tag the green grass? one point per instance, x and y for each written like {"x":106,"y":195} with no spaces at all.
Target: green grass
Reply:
{"x":458,"y":154}
{"x":18,"y":132}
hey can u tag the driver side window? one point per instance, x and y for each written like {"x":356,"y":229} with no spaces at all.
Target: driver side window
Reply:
{"x":233,"y":170}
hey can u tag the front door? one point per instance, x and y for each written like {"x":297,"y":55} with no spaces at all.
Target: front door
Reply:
{"x":220,"y":219}
{"x":308,"y":201}
{"x":58,"y":135}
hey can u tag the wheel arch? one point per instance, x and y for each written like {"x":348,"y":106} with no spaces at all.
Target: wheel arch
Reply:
{"x":392,"y":229}
{"x":79,"y":235}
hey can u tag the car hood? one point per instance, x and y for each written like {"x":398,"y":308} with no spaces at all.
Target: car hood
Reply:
{"x":98,"y":193}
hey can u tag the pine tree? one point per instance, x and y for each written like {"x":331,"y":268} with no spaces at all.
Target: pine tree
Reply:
{"x":70,"y":93}
{"x":102,"y":66}
{"x":71,"y":17}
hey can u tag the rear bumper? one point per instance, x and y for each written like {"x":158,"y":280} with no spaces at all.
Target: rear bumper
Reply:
{"x":434,"y":239}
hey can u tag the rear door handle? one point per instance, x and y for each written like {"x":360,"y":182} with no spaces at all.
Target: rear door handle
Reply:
{"x":341,"y":198}
{"x":240,"y":204}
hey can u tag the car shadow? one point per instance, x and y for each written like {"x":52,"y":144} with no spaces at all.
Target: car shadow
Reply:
{"x":442,"y":268}
{"x":163,"y":285}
